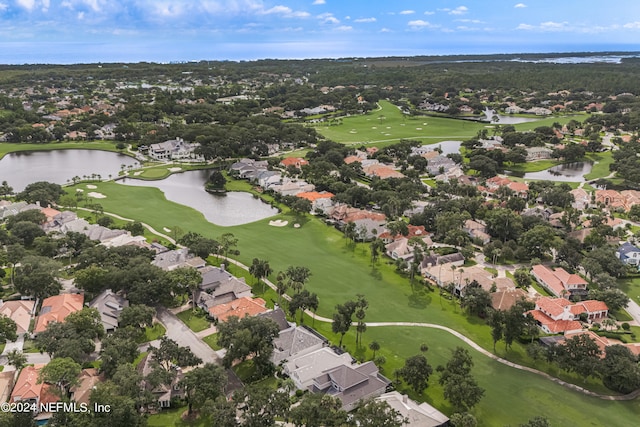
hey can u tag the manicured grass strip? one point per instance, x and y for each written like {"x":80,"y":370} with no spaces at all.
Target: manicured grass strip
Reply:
{"x":195,"y":321}
{"x":601,"y":165}
{"x":212,"y":341}
{"x":6,"y":147}
{"x":152,"y":333}
{"x":172,"y":418}
{"x":389,"y":125}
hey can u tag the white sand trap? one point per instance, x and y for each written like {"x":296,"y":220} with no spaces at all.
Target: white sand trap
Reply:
{"x":418,"y":128}
{"x":97,"y":195}
{"x":174,"y":169}
{"x":353,"y":131}
{"x":388,"y":127}
{"x":166,"y":230}
{"x":278,"y":223}
{"x":296,"y":225}
{"x":401,"y":124}
{"x":79,"y":190}
{"x":387,"y":134}
{"x":374,"y":127}
{"x":91,"y":187}
{"x":137,"y":173}
{"x":424,"y":124}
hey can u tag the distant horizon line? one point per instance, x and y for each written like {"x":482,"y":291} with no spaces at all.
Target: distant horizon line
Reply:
{"x":582,"y":53}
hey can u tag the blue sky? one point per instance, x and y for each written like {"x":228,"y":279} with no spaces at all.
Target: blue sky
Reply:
{"x":69,"y":31}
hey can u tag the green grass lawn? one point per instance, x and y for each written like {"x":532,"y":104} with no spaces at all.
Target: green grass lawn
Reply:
{"x":29,"y":346}
{"x":6,"y":147}
{"x":212,"y":341}
{"x":537,"y":166}
{"x":172,"y":418}
{"x":138,"y":359}
{"x":389,"y":125}
{"x":340,"y":272}
{"x":601,"y":168}
{"x":152,"y":333}
{"x":631,"y":287}
{"x":511,"y":396}
{"x":195,"y":321}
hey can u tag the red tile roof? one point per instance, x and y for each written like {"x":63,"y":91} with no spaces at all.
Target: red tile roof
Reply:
{"x":240,"y":308}
{"x":27,"y":387}
{"x":294,"y":161}
{"x":312,"y":196}
{"x":57,"y":308}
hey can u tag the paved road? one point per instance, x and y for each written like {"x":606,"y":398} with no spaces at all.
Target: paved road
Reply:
{"x":634,"y":310}
{"x":185,"y":337}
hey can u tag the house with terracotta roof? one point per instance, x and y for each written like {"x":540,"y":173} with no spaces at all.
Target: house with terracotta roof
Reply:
{"x":57,"y":308}
{"x":239,"y":308}
{"x":27,"y":388}
{"x":320,"y":201}
{"x":19,"y":311}
{"x":559,"y":282}
{"x":381,"y":171}
{"x":521,"y":189}
{"x":403,"y":248}
{"x":581,"y":199}
{"x":297,"y":162}
{"x":87,"y":381}
{"x":556,"y":315}
{"x":506,"y":298}
{"x":476,"y":230}
{"x":413,"y":231}
{"x":610,"y":199}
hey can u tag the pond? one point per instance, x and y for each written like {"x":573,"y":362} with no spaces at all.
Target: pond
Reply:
{"x":59,"y":166}
{"x":448,"y":147}
{"x":568,"y":172}
{"x":187,"y":188}
{"x":506,"y":120}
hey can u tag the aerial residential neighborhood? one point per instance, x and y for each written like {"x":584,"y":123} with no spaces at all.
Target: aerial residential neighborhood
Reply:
{"x":241,"y":243}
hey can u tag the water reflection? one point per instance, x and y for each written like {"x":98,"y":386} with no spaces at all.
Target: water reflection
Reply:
{"x":187,"y":188}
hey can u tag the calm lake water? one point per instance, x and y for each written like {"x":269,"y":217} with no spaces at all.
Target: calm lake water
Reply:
{"x":568,"y":172}
{"x":507,"y":120}
{"x":187,"y":188}
{"x":58,"y":166}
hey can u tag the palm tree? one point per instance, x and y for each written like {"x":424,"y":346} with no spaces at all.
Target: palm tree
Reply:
{"x":374,"y":346}
{"x":281,"y":284}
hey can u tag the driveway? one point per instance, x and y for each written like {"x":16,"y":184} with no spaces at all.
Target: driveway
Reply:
{"x":11,"y":345}
{"x":634,"y":310}
{"x":185,"y":337}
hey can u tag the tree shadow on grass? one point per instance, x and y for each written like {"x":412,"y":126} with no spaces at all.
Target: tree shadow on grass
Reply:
{"x":419,"y":299}
{"x":375,"y":273}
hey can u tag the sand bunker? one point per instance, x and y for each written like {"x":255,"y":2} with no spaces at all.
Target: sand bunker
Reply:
{"x":174,"y":169}
{"x":79,"y":190}
{"x":296,"y":225}
{"x":91,"y":187}
{"x":137,"y":173}
{"x":418,"y":128}
{"x":278,"y":223}
{"x":97,"y":195}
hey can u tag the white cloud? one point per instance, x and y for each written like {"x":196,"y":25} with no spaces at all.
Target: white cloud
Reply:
{"x":385,"y":30}
{"x":553,"y":25}
{"x":168,"y":9}
{"x":407,"y":12}
{"x":428,"y":12}
{"x":27,"y":4}
{"x":80,"y":15}
{"x":520,"y":6}
{"x":328,"y":18}
{"x":286,"y":12}
{"x":344,"y":28}
{"x":365,"y":20}
{"x":525,"y":27}
{"x":45,"y":5}
{"x":3,"y":6}
{"x":632,"y":25}
{"x":460,"y":10}
{"x":317,"y":2}
{"x":470,"y":21}
{"x":419,"y":23}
